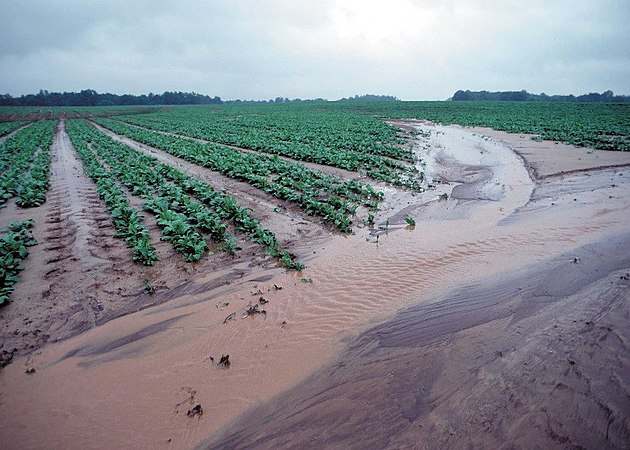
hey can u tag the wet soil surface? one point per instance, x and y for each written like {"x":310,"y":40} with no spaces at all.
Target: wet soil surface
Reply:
{"x":232,"y":338}
{"x":80,"y":276}
{"x":538,"y":359}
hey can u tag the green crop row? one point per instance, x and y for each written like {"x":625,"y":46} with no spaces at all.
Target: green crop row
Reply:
{"x":170,"y":196}
{"x":25,"y":165}
{"x":14,"y":245}
{"x":315,"y":192}
{"x":127,"y":222}
{"x":355,"y":143}
{"x":7,"y":127}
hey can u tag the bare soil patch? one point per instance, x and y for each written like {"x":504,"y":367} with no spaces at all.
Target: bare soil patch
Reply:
{"x":549,"y":158}
{"x":537,"y":360}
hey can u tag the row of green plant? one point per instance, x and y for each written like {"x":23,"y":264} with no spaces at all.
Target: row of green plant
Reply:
{"x":315,"y":192}
{"x":7,"y":127}
{"x":14,"y":243}
{"x":25,"y":164}
{"x":353,"y":142}
{"x":126,"y":219}
{"x":257,"y":126}
{"x":89,"y":144}
{"x":181,"y":204}
{"x":603,"y":126}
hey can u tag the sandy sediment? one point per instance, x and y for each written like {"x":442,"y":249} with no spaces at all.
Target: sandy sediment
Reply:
{"x":536,"y":359}
{"x":548,"y":158}
{"x":133,"y":381}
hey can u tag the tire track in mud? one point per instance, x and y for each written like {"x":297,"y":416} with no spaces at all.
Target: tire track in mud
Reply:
{"x":60,"y":291}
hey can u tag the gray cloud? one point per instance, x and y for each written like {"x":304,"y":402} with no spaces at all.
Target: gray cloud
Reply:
{"x":422,"y":49}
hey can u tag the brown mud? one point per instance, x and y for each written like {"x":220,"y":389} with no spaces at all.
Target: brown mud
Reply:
{"x":152,"y":379}
{"x":536,"y":359}
{"x":80,"y":276}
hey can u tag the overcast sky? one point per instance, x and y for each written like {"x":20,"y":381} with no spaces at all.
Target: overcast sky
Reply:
{"x":248,"y":49}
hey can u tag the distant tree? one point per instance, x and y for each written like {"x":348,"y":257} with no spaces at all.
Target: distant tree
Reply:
{"x":370,"y":98}
{"x":89,"y":97}
{"x":520,"y":96}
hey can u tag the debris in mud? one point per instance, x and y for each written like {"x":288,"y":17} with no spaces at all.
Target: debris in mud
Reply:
{"x":224,"y":361}
{"x":6,"y":357}
{"x":229,"y":317}
{"x":276,"y":287}
{"x":148,"y":287}
{"x":625,"y":277}
{"x":576,"y":260}
{"x":223,"y":304}
{"x":30,"y":371}
{"x":189,"y":402}
{"x":263,"y":300}
{"x":306,"y":280}
{"x":196,"y":410}
{"x":443,"y":196}
{"x":253,"y":310}
{"x":257,"y":292}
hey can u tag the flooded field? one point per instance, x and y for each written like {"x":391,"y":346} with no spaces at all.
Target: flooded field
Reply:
{"x":507,"y":298}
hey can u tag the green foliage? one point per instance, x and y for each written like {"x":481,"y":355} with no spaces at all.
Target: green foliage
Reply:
{"x":315,"y":192}
{"x":343,"y":139}
{"x":127,"y":222}
{"x":183,"y":206}
{"x":7,"y":127}
{"x":25,"y":164}
{"x":410,"y":221}
{"x":14,"y":245}
{"x":604,"y":126}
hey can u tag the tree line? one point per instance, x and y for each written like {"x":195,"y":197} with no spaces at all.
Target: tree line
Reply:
{"x":89,"y":97}
{"x":523,"y":96}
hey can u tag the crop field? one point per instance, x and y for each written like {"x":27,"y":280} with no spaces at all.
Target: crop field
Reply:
{"x":182,"y":185}
{"x":275,"y":157}
{"x":600,"y":126}
{"x":197,"y":258}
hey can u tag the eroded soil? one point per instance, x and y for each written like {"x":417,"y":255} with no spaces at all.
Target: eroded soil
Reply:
{"x":463,"y":338}
{"x":80,"y":276}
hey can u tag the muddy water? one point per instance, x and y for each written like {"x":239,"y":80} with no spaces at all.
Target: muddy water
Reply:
{"x":132,"y":381}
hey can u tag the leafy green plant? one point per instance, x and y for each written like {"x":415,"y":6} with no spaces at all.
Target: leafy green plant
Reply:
{"x":13,"y":250}
{"x":410,"y":221}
